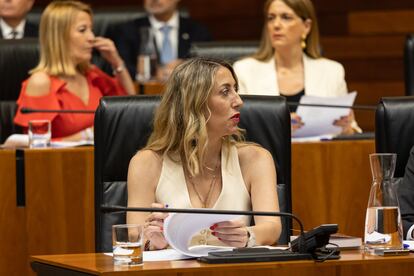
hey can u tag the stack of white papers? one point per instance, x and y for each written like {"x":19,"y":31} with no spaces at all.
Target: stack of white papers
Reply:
{"x":180,"y":228}
{"x":318,"y":121}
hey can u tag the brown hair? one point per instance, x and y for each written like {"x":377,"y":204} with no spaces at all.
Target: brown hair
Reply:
{"x":305,"y":10}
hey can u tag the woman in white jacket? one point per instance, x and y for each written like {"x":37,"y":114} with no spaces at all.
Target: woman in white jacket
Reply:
{"x":289,"y":63}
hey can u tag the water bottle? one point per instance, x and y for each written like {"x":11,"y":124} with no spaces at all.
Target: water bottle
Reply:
{"x":147,"y":57}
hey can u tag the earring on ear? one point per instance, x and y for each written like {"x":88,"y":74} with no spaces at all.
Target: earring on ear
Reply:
{"x":303,"y":42}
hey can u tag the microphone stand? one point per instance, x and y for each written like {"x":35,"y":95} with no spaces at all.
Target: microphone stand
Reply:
{"x":301,"y":243}
{"x":25,"y":110}
{"x":360,"y":107}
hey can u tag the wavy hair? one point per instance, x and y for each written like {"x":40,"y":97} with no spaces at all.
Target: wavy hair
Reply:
{"x":305,"y":10}
{"x":54,"y":34}
{"x":180,"y":122}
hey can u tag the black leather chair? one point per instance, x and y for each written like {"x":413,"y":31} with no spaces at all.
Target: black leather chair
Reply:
{"x":17,"y":58}
{"x":409,"y":65}
{"x":103,"y":17}
{"x":394,"y":129}
{"x":7,"y":127}
{"x":123,"y":125}
{"x":230,"y":51}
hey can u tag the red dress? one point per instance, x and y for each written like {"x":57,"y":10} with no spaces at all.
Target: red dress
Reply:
{"x":59,"y":97}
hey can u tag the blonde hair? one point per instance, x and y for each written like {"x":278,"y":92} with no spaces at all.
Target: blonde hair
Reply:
{"x":305,"y":10}
{"x":180,"y":123}
{"x":54,"y":34}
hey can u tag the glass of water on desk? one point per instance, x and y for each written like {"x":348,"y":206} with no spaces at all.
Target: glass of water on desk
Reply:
{"x":383,"y":225}
{"x":127,"y":244}
{"x":39,"y":133}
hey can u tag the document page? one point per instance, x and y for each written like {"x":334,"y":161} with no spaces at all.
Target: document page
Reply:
{"x":319,"y":120}
{"x":179,"y":228}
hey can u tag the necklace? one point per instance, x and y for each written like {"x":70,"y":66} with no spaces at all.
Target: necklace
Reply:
{"x":205,"y":201}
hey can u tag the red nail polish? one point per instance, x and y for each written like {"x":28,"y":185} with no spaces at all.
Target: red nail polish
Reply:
{"x":213,"y":233}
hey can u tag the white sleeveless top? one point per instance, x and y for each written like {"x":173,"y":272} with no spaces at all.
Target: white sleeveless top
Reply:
{"x":172,"y":190}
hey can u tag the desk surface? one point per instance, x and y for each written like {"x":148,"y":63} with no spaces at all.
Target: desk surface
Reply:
{"x":352,"y":262}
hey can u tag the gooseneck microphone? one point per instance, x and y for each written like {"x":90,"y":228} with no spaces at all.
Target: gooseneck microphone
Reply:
{"x":301,"y":241}
{"x":27,"y":110}
{"x":356,"y":107}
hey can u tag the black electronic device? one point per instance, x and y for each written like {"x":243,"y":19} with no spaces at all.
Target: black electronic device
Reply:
{"x":257,"y":254}
{"x":315,"y":238}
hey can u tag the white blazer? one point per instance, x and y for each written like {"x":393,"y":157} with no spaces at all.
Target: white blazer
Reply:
{"x":323,"y":77}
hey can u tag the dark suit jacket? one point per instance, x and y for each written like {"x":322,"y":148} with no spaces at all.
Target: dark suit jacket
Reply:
{"x":127,"y":39}
{"x":30,"y":30}
{"x":406,"y":195}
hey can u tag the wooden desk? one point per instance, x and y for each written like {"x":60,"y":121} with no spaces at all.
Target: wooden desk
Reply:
{"x":352,"y":263}
{"x":150,"y":88}
{"x":58,"y":216}
{"x":330,"y":184}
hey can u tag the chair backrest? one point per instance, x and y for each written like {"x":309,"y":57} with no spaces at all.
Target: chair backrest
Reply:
{"x":409,"y":65}
{"x":230,"y":51}
{"x":17,"y":57}
{"x":103,"y":17}
{"x":123,"y":125}
{"x":7,"y":127}
{"x":394,"y":129}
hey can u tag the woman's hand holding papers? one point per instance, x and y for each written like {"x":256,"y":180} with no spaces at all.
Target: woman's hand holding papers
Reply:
{"x":345,"y":122}
{"x":233,"y":233}
{"x":295,"y":121}
{"x":154,"y":226}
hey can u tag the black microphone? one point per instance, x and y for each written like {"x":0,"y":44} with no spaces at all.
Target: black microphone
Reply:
{"x":26,"y":110}
{"x":301,"y":239}
{"x":356,"y":107}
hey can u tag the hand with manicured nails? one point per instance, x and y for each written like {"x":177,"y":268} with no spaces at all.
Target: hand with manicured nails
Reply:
{"x":154,"y":227}
{"x":233,"y":233}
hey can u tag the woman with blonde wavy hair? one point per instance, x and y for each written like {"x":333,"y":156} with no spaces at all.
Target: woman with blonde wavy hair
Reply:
{"x":65,"y":79}
{"x":196,"y":158}
{"x":289,"y":62}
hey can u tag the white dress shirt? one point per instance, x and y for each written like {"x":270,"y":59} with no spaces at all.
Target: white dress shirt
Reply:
{"x":174,"y":23}
{"x":7,"y":31}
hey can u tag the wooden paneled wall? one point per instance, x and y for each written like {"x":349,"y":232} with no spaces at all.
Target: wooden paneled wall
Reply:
{"x":367,"y":37}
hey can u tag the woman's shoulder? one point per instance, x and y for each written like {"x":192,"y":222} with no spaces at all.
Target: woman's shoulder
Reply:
{"x":147,"y":159}
{"x":325,"y":63}
{"x":248,"y":62}
{"x":38,"y":84}
{"x":248,"y":152}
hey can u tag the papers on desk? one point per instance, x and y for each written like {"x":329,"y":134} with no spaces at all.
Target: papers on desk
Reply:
{"x":22,"y":141}
{"x":318,"y":121}
{"x":409,"y":245}
{"x":179,"y":229}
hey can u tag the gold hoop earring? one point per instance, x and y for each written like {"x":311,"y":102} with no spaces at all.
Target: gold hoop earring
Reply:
{"x":303,"y":42}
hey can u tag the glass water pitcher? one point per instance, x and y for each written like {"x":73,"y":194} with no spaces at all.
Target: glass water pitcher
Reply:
{"x":383,"y":226}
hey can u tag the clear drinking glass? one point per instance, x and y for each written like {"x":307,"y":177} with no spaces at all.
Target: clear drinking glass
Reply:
{"x":147,"y":57}
{"x":127,"y":244}
{"x":383,"y":225}
{"x":39,"y":133}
